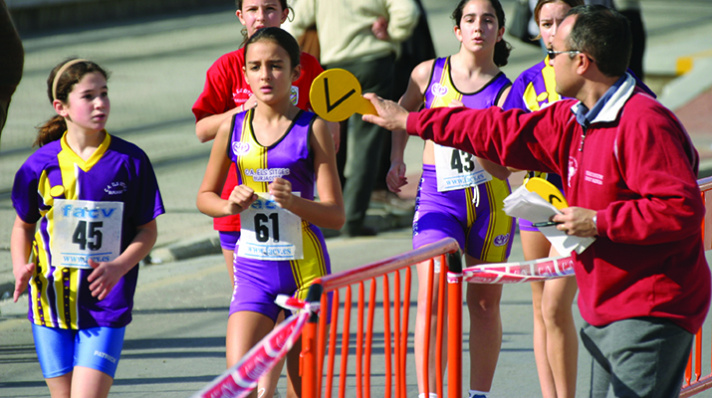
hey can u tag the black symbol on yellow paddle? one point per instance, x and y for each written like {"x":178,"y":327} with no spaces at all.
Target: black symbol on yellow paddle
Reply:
{"x":545,"y":189}
{"x":345,"y":88}
{"x":329,"y":106}
{"x":553,"y":198}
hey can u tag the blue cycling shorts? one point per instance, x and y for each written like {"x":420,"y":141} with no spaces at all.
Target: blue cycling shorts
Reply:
{"x":60,"y":350}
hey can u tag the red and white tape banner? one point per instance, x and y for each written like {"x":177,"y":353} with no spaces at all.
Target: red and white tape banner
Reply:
{"x":525,"y":271}
{"x":241,"y":379}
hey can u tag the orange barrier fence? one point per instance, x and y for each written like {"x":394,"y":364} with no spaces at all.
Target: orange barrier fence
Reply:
{"x":316,"y":340}
{"x":694,"y":383}
{"x":319,"y":344}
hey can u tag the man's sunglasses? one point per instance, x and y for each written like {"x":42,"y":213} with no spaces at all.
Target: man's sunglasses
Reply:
{"x":552,"y":54}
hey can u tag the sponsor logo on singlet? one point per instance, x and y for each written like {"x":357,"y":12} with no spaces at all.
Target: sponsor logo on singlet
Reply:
{"x":438,"y":90}
{"x":267,"y":175}
{"x":240,"y":148}
{"x":501,"y":240}
{"x":115,"y":188}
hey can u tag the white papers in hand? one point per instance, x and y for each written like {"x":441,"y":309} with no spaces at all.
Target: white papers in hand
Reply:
{"x":531,"y":206}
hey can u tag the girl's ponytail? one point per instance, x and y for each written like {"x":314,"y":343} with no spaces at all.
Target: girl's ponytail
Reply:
{"x":51,"y":130}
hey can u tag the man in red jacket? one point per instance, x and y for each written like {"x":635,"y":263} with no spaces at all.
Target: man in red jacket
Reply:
{"x":629,"y":171}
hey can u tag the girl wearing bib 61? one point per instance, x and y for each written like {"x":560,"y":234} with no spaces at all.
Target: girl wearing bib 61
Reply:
{"x":281,"y":153}
{"x":86,"y":205}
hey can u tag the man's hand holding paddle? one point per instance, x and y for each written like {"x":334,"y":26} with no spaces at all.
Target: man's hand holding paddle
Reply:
{"x":335,"y":95}
{"x":391,"y":116}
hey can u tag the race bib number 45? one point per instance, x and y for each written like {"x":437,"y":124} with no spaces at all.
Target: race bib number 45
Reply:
{"x":84,"y":229}
{"x":269,"y":232}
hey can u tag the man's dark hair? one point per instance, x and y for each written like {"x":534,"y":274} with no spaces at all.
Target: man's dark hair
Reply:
{"x":604,"y":35}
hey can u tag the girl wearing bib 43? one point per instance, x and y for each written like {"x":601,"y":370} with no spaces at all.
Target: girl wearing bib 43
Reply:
{"x":86,"y":205}
{"x":281,"y":153}
{"x":460,"y":195}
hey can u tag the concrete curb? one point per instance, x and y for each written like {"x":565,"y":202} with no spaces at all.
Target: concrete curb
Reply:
{"x":182,"y":250}
{"x":687,"y":87}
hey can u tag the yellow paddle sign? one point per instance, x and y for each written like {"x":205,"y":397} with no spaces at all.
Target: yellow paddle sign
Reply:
{"x":335,"y":95}
{"x":548,"y":191}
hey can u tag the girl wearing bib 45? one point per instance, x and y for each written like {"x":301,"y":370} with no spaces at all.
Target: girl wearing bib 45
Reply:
{"x":281,"y":153}
{"x":460,"y":195}
{"x":86,"y":206}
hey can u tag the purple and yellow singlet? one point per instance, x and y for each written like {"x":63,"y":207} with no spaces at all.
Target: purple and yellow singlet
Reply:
{"x":456,"y":196}
{"x":83,"y":209}
{"x":280,"y":258}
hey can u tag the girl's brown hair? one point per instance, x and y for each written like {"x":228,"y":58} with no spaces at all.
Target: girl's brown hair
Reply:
{"x":502,"y":48}
{"x":71,"y":71}
{"x":282,"y":3}
{"x":540,"y":4}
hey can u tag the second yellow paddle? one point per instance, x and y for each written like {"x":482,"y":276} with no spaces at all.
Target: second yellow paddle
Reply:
{"x":548,"y":191}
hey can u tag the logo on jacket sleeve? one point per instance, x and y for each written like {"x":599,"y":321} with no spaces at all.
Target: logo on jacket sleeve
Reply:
{"x":573,"y":168}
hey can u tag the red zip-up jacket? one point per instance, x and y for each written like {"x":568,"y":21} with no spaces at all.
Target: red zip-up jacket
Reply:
{"x":636,"y":166}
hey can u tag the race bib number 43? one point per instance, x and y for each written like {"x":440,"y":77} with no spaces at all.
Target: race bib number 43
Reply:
{"x":269,"y":232}
{"x":457,"y":169}
{"x":84,"y":229}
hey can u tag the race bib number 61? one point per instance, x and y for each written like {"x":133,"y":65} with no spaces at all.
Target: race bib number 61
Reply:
{"x":84,"y":229}
{"x":269,"y":232}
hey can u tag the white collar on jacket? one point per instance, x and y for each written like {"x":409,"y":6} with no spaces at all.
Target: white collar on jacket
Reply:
{"x":611,"y":109}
